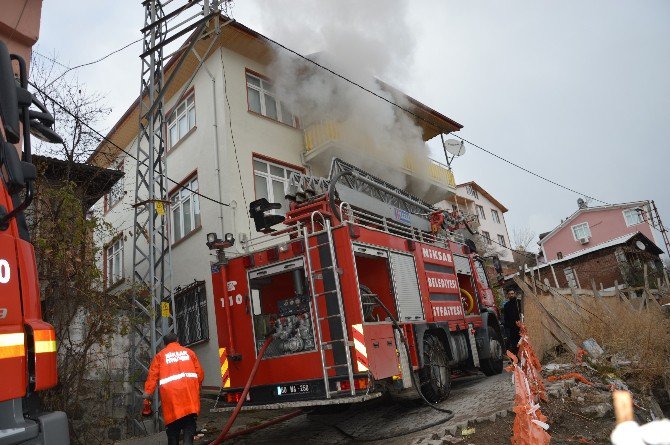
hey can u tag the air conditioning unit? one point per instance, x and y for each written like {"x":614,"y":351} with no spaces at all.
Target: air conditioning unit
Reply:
{"x":584,"y":240}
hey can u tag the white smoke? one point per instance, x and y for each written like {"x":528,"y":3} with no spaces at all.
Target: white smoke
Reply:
{"x":364,"y":41}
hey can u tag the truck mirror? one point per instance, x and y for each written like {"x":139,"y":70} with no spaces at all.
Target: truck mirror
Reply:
{"x":9,"y":111}
{"x":263,"y":222}
{"x":13,"y":169}
{"x":496,"y":264}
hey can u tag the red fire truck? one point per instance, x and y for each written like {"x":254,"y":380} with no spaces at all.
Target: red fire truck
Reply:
{"x":27,"y":343}
{"x":363,"y":290}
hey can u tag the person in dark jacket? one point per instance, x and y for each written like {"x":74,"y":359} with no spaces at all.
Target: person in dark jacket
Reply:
{"x":512,"y":314}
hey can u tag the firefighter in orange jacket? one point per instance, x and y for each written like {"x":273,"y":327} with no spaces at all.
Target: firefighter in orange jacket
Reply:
{"x":177,"y":372}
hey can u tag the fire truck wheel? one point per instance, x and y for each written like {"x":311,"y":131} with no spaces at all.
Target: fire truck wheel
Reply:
{"x":494,"y":364}
{"x":435,"y":376}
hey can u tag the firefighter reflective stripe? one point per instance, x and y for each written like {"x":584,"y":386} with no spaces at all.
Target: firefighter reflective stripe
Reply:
{"x":359,"y":345}
{"x":12,"y":345}
{"x":183,"y":375}
{"x":45,"y":341}
{"x":225,"y":375}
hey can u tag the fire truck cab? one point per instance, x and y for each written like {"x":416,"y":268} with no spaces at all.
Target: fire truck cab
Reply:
{"x":364,"y":291}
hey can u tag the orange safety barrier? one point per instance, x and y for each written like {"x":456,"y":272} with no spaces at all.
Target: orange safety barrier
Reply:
{"x":530,"y":365}
{"x":530,"y":424}
{"x":579,"y":357}
{"x":570,"y":375}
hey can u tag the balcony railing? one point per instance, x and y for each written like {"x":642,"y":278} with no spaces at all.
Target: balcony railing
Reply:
{"x":322,"y":133}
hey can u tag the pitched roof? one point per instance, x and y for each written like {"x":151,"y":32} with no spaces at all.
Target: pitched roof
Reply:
{"x":244,"y":40}
{"x":578,"y":212}
{"x":488,"y":196}
{"x":653,"y":248}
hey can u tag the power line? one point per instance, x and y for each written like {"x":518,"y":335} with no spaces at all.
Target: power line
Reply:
{"x":92,"y":62}
{"x":433,"y":124}
{"x":105,"y":138}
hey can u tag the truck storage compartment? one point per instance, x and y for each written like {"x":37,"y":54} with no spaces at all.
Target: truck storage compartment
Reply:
{"x":280,"y":301}
{"x":374,"y":277}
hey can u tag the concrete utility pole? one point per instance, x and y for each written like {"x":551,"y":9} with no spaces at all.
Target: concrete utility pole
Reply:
{"x":152,"y":298}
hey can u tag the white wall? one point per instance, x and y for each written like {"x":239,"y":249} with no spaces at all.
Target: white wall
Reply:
{"x":240,"y":133}
{"x":488,"y":224}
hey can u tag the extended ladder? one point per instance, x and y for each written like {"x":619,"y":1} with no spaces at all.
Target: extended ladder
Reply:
{"x":328,"y":274}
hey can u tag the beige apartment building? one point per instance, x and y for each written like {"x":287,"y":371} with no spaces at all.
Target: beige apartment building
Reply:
{"x":233,"y":138}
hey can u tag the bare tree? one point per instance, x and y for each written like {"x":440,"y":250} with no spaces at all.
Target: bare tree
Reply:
{"x":87,"y":107}
{"x":522,"y":237}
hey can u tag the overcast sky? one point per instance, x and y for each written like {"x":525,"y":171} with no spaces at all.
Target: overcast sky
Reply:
{"x":576,"y":91}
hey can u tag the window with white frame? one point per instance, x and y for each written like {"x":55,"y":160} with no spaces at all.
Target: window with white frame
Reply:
{"x":114,"y":262}
{"x":181,"y":120}
{"x":263,"y":100}
{"x":581,"y":230}
{"x":495,"y":215}
{"x":472,"y":191}
{"x":271,"y":182}
{"x":633,"y":217}
{"x":480,"y":212}
{"x":185,"y":209}
{"x":487,"y":237}
{"x":501,"y":241}
{"x":191,"y":313}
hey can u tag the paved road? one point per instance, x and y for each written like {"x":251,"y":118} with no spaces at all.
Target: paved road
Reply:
{"x":387,"y":422}
{"x":378,"y":421}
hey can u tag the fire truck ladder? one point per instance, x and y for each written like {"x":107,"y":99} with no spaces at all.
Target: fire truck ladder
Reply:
{"x":328,"y":273}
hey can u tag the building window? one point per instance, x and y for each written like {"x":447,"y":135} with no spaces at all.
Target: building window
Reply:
{"x":191,"y":313}
{"x":581,"y":231}
{"x":271,"y":182}
{"x":501,"y":240}
{"x":181,"y":120}
{"x":472,"y":191}
{"x":185,"y":208}
{"x":480,"y":212}
{"x":487,"y":237}
{"x":633,"y":217}
{"x":495,"y":215}
{"x":570,"y":276}
{"x":117,"y":191}
{"x":114,"y":262}
{"x":559,"y":255}
{"x":263,"y":100}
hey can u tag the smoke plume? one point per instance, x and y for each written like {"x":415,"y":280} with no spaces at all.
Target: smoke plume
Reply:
{"x":364,"y":41}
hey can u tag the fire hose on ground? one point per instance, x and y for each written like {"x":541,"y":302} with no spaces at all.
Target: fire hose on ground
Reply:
{"x":231,"y":420}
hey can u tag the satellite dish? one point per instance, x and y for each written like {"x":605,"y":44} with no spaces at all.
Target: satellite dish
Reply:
{"x":455,"y":147}
{"x":640,"y":245}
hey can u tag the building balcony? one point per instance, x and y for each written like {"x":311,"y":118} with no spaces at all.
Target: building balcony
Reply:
{"x":419,"y":175}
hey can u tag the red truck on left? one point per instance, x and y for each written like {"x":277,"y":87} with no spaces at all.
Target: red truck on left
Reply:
{"x":27,"y":343}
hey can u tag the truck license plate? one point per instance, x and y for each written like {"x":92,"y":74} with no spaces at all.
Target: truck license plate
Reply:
{"x":285,"y":390}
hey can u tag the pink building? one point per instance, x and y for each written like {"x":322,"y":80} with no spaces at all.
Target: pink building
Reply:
{"x":591,"y":226}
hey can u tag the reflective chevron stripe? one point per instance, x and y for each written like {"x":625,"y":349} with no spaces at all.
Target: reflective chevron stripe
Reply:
{"x":361,"y":350}
{"x":225,"y":375}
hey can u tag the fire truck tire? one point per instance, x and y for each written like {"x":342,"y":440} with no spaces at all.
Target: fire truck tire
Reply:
{"x":494,"y":364}
{"x":435,"y":376}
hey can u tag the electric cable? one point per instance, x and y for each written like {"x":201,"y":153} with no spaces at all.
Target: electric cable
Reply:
{"x":396,"y":326}
{"x":433,"y":124}
{"x":232,"y":138}
{"x":105,"y":138}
